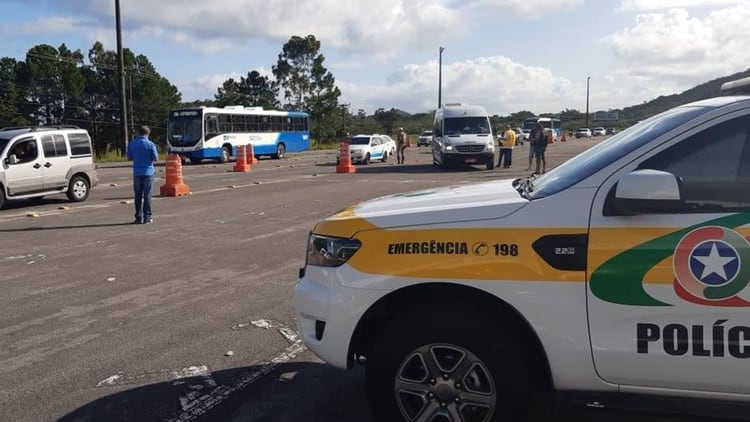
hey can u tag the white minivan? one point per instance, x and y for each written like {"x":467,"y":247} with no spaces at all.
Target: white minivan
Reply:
{"x":36,"y":161}
{"x":462,"y":135}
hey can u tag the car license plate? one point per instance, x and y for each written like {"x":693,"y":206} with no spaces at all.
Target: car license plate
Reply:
{"x":470,"y":160}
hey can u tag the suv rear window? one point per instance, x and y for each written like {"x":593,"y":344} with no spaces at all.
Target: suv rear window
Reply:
{"x":79,"y":144}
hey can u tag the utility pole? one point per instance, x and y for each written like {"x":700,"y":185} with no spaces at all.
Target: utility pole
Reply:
{"x":121,"y":68}
{"x":440,"y":78}
{"x":588,"y":78}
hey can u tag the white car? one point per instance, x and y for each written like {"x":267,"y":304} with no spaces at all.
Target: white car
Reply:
{"x":425,"y":138}
{"x":366,"y":148}
{"x":620,"y":277}
{"x":600,"y":131}
{"x":37,"y":161}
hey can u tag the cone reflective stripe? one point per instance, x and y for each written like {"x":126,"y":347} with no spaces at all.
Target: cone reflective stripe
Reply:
{"x":173,"y":183}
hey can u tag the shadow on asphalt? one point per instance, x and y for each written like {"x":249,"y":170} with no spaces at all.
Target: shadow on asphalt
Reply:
{"x":291,"y":392}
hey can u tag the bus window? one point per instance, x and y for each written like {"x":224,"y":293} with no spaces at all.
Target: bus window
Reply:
{"x":238,"y":123}
{"x":225,"y":125}
{"x":275,"y":123}
{"x":212,"y":126}
{"x":252,"y":123}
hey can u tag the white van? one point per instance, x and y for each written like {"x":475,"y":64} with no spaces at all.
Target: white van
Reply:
{"x":36,"y":161}
{"x":462,"y":135}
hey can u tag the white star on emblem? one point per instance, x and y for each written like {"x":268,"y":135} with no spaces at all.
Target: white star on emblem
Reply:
{"x":714,"y":263}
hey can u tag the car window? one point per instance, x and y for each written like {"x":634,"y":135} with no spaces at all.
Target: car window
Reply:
{"x":713,"y":166}
{"x":54,"y":146}
{"x":360,"y":140}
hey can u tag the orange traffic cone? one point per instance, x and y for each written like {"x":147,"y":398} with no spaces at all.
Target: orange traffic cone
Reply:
{"x":250,"y":155}
{"x":345,"y":159}
{"x":240,"y":165}
{"x":173,"y":184}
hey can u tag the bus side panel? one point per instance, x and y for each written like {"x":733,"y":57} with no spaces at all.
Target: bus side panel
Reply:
{"x":295,"y":141}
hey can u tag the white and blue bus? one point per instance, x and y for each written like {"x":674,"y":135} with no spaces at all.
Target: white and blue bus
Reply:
{"x":216,"y":132}
{"x":548,"y":123}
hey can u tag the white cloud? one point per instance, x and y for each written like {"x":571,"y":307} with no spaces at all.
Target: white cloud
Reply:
{"x":46,"y":26}
{"x":675,"y":50}
{"x":498,"y":83}
{"x":649,"y":5}
{"x":529,"y":8}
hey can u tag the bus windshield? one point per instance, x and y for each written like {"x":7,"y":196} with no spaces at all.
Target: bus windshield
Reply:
{"x":467,"y":125}
{"x":185,"y":130}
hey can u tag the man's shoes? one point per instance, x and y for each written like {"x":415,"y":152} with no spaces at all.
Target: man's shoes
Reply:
{"x":148,"y":221}
{"x":136,"y":221}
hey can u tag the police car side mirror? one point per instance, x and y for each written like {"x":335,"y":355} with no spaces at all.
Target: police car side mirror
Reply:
{"x":647,"y":192}
{"x":12,"y":159}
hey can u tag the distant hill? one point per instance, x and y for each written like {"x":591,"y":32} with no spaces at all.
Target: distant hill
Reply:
{"x":663,"y":103}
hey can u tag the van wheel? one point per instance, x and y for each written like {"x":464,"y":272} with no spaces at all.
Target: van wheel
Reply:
{"x":78,"y":189}
{"x":491,"y":165}
{"x":428,"y":366}
{"x":366,"y":160}
{"x":225,"y":154}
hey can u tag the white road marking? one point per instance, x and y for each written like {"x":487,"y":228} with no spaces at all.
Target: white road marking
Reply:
{"x":195,"y":405}
{"x":110,"y":380}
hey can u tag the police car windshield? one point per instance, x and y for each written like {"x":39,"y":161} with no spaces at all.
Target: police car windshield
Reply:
{"x":606,"y":152}
{"x":360,"y":140}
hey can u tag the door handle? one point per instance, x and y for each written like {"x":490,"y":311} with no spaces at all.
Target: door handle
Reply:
{"x":48,"y":164}
{"x":37,"y":165}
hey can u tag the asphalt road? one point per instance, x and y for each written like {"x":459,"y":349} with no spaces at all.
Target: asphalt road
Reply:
{"x":191,"y":318}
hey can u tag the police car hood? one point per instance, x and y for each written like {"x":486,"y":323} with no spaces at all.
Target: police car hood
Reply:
{"x":480,"y":201}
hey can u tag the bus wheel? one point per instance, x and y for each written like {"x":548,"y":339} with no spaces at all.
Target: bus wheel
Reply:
{"x":428,"y":366}
{"x":280,"y":150}
{"x":225,"y":154}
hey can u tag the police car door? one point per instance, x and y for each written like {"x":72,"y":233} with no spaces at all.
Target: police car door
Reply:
{"x":668,"y":297}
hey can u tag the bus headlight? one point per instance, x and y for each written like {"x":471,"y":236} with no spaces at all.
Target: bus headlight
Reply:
{"x":327,"y":251}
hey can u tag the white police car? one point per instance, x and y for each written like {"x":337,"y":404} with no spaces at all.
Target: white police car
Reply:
{"x":366,"y":148}
{"x":620,"y":277}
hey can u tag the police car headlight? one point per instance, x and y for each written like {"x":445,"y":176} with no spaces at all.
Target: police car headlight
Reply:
{"x":326,"y":251}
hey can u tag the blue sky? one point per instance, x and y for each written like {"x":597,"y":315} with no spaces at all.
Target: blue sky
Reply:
{"x":508,"y":55}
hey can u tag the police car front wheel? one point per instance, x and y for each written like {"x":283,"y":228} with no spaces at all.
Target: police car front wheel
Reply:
{"x":445,"y":368}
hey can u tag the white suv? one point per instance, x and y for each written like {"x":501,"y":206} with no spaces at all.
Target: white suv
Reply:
{"x":620,"y":277}
{"x":43,"y":160}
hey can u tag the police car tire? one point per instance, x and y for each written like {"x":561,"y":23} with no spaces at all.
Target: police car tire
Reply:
{"x":499,"y":352}
{"x":2,"y":197}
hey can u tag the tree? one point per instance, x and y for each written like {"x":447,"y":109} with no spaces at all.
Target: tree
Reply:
{"x":307,"y":85}
{"x":10,"y":94}
{"x":255,"y":90}
{"x":51,"y":78}
{"x":387,"y":119}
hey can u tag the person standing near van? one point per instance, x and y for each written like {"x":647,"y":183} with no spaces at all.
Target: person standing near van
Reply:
{"x":538,"y":144}
{"x":506,"y":150}
{"x":143,"y":153}
{"x":402,"y":142}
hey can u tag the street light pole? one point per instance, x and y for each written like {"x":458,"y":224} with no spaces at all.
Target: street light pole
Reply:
{"x":440,"y":78}
{"x":588,"y":78}
{"x":121,"y":68}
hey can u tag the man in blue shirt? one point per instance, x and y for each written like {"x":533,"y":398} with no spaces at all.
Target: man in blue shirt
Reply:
{"x":143,"y":154}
